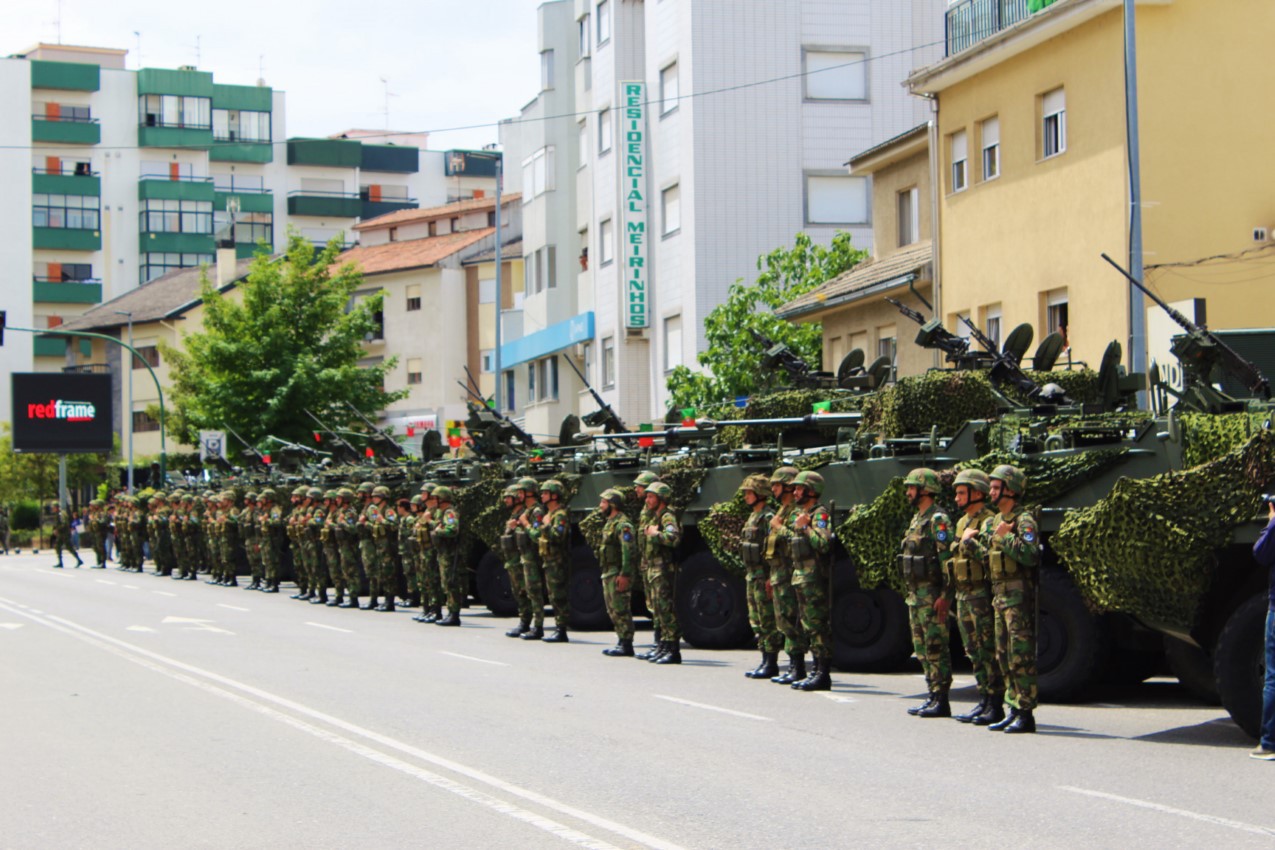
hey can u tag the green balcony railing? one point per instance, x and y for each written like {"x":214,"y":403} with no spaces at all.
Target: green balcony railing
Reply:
{"x":175,"y":243}
{"x":69,"y":76}
{"x":333,"y":153}
{"x":64,"y":132}
{"x":44,"y":183}
{"x":327,"y":204}
{"x":164,"y":187}
{"x":67,"y":292}
{"x":66,"y":239}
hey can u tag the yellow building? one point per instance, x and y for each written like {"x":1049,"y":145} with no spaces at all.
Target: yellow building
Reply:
{"x":1034,"y":167}
{"x":852,"y":306}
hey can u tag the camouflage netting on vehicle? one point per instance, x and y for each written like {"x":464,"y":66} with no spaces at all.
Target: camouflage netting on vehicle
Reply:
{"x":872,"y":533}
{"x":482,"y":509}
{"x":1208,"y":437}
{"x":1008,"y":432}
{"x":1147,"y":547}
{"x":683,"y":475}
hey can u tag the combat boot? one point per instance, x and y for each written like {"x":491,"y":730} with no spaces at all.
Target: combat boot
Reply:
{"x":768,"y":667}
{"x":58,"y":565}
{"x":452,"y":619}
{"x":388,"y":607}
{"x":435,"y":614}
{"x":320,"y":599}
{"x":968,"y":717}
{"x":351,"y":602}
{"x":524,"y":626}
{"x":256,"y":585}
{"x":624,"y":647}
{"x":536,"y":632}
{"x":1023,"y":723}
{"x":654,"y":650}
{"x":796,"y":670}
{"x":819,"y":680}
{"x":274,"y":588}
{"x":336,"y":600}
{"x":941,"y":707}
{"x":994,"y":713}
{"x":917,"y":709}
{"x":658,"y":652}
{"x":1006,"y":722}
{"x":559,"y":636}
{"x":672,"y":653}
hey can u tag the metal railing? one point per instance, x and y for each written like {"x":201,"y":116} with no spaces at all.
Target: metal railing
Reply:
{"x":971,"y":21}
{"x":58,"y":280}
{"x":65,"y":172}
{"x":179,"y":178}
{"x":63,"y":119}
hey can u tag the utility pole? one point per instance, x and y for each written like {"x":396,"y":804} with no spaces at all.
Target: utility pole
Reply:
{"x":500,"y":262}
{"x":1137,"y":307}
{"x":130,"y":397}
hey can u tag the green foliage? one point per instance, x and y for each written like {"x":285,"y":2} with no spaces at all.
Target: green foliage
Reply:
{"x":25,"y":515}
{"x":733,"y":358}
{"x":287,"y":345}
{"x":25,"y":475}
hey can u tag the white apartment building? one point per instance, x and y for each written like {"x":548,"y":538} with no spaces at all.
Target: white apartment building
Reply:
{"x":710,"y":133}
{"x":118,"y":176}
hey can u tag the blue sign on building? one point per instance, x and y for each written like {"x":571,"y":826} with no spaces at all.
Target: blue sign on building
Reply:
{"x":551,"y":339}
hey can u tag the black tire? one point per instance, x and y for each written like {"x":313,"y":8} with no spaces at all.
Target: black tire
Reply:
{"x":1239,"y":663}
{"x":1070,"y":641}
{"x":711,"y":604}
{"x":492,"y":583}
{"x":870,"y":631}
{"x":1194,"y":669}
{"x":584,"y":592}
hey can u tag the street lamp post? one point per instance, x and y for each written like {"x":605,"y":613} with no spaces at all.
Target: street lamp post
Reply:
{"x":130,"y":397}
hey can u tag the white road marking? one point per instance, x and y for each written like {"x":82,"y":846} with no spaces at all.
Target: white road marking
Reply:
{"x":231,"y":607}
{"x":11,"y":626}
{"x":730,"y":711}
{"x":139,"y":629}
{"x":330,"y":628}
{"x":837,"y":697}
{"x":163,"y":593}
{"x":472,"y":658}
{"x":154,"y":661}
{"x":1169,"y":810}
{"x":129,"y":586}
{"x":193,"y":624}
{"x":105,"y":581}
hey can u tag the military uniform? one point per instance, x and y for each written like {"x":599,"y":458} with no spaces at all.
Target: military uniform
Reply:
{"x":331,"y":552}
{"x":270,"y":524}
{"x":778,"y":559}
{"x":552,"y":536}
{"x":619,"y":561}
{"x":99,"y":526}
{"x":385,"y":534}
{"x":445,"y":533}
{"x":430,"y":581}
{"x":162,"y":536}
{"x":926,"y":548}
{"x":659,"y":539}
{"x":62,"y":537}
{"x":513,"y":564}
{"x":761,"y":606}
{"x":975,"y":618}
{"x":811,"y":549}
{"x":532,"y":568}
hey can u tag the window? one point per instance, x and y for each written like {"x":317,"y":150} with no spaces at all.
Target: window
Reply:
{"x":990,"y":137}
{"x":148,"y":355}
{"x":606,"y":236}
{"x":671,"y":209}
{"x":668,"y":89}
{"x":604,"y":131}
{"x":836,"y":199}
{"x":992,"y":325}
{"x":672,"y":343}
{"x":168,"y":216}
{"x":510,"y":395}
{"x":250,"y":228}
{"x":583,"y":131}
{"x":72,"y":212}
{"x":546,"y":70}
{"x":413,"y":296}
{"x":958,"y":150}
{"x":231,"y":183}
{"x":958,"y":323}
{"x":529,"y":264}
{"x":583,"y":26}
{"x":588,"y":361}
{"x":1053,"y":111}
{"x":887,"y":344}
{"x":167,"y":170}
{"x":608,"y":362}
{"x":487,"y":360}
{"x":143,"y":421}
{"x":155,"y":264}
{"x":604,"y":22}
{"x":909,"y":216}
{"x":170,"y":110}
{"x":63,"y":272}
{"x":235,"y":125}
{"x":62,"y":112}
{"x":487,"y":291}
{"x":835,"y":75}
{"x":378,"y":318}
{"x":1056,"y":319}
{"x":538,"y":173}
{"x":551,"y":267}
{"x":548,"y":369}
{"x":414,"y":370}
{"x":531,"y":382}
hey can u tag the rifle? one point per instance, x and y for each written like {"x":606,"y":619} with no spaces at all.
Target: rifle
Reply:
{"x":1005,"y":369}
{"x":934,"y":335}
{"x":392,"y":450}
{"x":605,"y":415}
{"x":1200,"y":352}
{"x":249,"y":452}
{"x":355,"y":454}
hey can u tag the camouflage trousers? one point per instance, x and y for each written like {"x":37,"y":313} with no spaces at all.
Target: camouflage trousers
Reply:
{"x":815,"y":614}
{"x":619,"y":607}
{"x":270,"y":558}
{"x":99,"y":546}
{"x":977,"y":623}
{"x":256,"y":567}
{"x":165,"y":558}
{"x":518,"y":587}
{"x":1015,"y":606}
{"x":351,"y":578}
{"x":761,"y":613}
{"x":787,"y":610}
{"x":533,"y":576}
{"x":449,"y":574}
{"x":661,"y":578}
{"x":332,"y":566}
{"x":371,"y":566}
{"x":60,"y":543}
{"x":387,"y":568}
{"x":930,"y":638}
{"x":319,"y":565}
{"x":556,"y":578}
{"x":429,"y":580}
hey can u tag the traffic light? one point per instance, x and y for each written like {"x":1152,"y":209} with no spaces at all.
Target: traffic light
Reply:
{"x":3,"y":316}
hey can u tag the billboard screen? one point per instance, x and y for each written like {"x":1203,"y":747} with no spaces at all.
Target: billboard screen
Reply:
{"x":54,"y":412}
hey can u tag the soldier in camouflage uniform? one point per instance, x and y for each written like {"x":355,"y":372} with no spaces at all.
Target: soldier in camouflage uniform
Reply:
{"x":161,"y":535}
{"x":367,"y":546}
{"x":430,"y":580}
{"x":407,"y":513}
{"x":345,"y":526}
{"x":270,"y":536}
{"x":645,"y":479}
{"x":926,"y":548}
{"x":124,"y":532}
{"x":62,"y":536}
{"x":331,"y":551}
{"x":1010,"y":542}
{"x":137,"y":532}
{"x":384,"y":522}
{"x":445,"y":534}
{"x":778,"y":559}
{"x":532,"y":569}
{"x":659,"y":540}
{"x":752,"y":550}
{"x":513,"y":562}
{"x":99,"y":526}
{"x":552,"y":536}
{"x":308,"y":538}
{"x":974,"y":615}
{"x":619,"y":561}
{"x":251,"y":540}
{"x":231,"y":541}
{"x":811,"y":548}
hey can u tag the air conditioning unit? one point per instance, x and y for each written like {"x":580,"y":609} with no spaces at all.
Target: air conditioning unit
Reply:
{"x":1263,"y":234}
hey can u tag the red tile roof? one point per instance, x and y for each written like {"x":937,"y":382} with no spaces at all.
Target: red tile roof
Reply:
{"x":412,"y":254}
{"x":446,"y":211}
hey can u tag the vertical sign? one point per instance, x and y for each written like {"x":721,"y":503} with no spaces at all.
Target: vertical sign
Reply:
{"x":633,"y":193}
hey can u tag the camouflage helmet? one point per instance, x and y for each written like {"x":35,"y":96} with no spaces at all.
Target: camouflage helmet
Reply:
{"x":331,"y":494}
{"x":299,"y":492}
{"x":443,"y":493}
{"x":415,"y":500}
{"x":528,"y":484}
{"x":314,"y":493}
{"x":224,"y":495}
{"x":381,"y":491}
{"x":784,"y":475}
{"x":613,"y":496}
{"x":974,"y":478}
{"x":927,"y":480}
{"x":366,"y":487}
{"x":268,"y":495}
{"x":809,"y":479}
{"x":758,"y":484}
{"x":553,"y":486}
{"x":645,"y":478}
{"x":428,"y":487}
{"x":345,"y":493}
{"x":662,"y":491}
{"x":511,"y":492}
{"x":159,"y":498}
{"x":1014,"y":479}
{"x":250,"y":496}
{"x":97,"y":503}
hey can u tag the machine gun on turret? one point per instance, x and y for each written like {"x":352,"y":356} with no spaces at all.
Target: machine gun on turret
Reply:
{"x":493,"y":433}
{"x":344,"y":452}
{"x":1202,"y":353}
{"x":956,"y":349}
{"x":381,"y":441}
{"x":251,"y":456}
{"x":780,"y":357}
{"x":605,"y":416}
{"x":1005,"y":369}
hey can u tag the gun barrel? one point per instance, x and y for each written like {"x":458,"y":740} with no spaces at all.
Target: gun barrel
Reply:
{"x":709,"y":427}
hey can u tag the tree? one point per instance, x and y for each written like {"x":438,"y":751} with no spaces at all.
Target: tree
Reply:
{"x":291,"y":344}
{"x":25,"y":475}
{"x":733,"y":357}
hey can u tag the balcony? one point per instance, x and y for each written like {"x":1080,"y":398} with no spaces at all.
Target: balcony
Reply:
{"x":372,"y":208}
{"x":167,"y":187}
{"x":64,"y":131}
{"x":250,"y":200}
{"x":470,"y":163}
{"x":325,"y":204}
{"x":169,"y":136}
{"x":67,"y":76}
{"x":331,"y":153}
{"x":66,"y":239}
{"x":55,"y":346}
{"x":230,"y":150}
{"x":175,"y":243}
{"x":45,"y":182}
{"x":49,"y":291}
{"x":401,"y":160}
{"x":971,"y":21}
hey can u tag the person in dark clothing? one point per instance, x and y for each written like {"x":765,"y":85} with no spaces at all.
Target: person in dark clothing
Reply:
{"x":1264,"y":554}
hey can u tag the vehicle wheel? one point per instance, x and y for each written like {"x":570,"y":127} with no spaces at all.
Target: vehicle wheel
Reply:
{"x":711,"y":605}
{"x":584,"y":592}
{"x":1194,"y":669}
{"x":1239,"y":663}
{"x":492,"y":584}
{"x":870,"y":631}
{"x":1070,"y":642}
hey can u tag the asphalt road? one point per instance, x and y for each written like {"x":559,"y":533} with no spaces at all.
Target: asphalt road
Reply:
{"x":140,"y":712}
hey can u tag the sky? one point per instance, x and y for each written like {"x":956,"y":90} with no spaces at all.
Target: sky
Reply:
{"x":449,"y":64}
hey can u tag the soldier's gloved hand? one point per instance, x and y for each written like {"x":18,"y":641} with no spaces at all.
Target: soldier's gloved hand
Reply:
{"x":941,"y":607}
{"x":622,"y":584}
